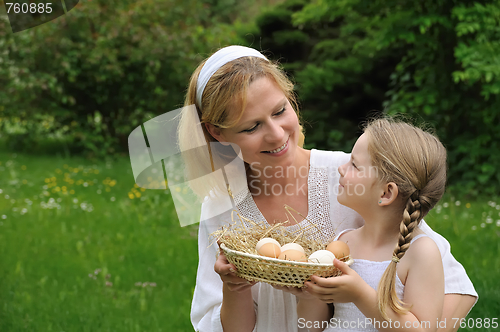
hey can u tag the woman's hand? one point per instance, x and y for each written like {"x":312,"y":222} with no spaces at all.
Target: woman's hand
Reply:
{"x":299,"y":292}
{"x":348,"y":287}
{"x":227,"y":273}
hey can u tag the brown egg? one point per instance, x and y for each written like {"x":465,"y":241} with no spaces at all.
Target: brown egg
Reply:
{"x":339,"y":248}
{"x":269,"y":250}
{"x":293,"y":255}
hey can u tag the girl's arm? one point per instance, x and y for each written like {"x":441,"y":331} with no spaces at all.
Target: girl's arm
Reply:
{"x":424,"y":290}
{"x":460,"y":295}
{"x":456,"y":307}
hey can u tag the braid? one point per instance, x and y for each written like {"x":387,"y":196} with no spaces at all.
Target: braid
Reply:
{"x":387,"y":286}
{"x":415,"y":160}
{"x":411,"y":218}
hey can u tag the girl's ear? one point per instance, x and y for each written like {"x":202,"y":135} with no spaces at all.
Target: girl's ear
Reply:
{"x":389,"y":195}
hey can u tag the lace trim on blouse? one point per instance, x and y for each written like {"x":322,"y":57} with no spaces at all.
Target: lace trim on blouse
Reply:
{"x":318,"y":207}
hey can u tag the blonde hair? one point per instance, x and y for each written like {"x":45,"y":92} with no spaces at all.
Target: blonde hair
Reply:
{"x":416,"y":161}
{"x":225,"y":90}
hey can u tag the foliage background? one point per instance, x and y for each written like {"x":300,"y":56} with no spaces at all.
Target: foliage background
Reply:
{"x":85,"y":80}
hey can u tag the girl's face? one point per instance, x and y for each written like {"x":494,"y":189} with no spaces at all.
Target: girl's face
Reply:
{"x":268,"y":131}
{"x":358,"y":183}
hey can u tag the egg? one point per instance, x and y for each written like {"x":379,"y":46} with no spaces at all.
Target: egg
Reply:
{"x":293,"y":246}
{"x":339,"y":248}
{"x":269,"y":249}
{"x":264,"y":241}
{"x":322,"y":257}
{"x":293,"y":255}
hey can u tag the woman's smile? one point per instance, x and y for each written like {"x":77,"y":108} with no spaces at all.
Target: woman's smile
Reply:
{"x":268,"y":127}
{"x":279,"y":151}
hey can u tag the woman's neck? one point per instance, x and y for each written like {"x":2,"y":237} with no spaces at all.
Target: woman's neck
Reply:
{"x":291,"y":175}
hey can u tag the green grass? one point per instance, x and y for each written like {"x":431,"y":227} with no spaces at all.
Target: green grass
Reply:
{"x":94,"y":259}
{"x":473,"y":230}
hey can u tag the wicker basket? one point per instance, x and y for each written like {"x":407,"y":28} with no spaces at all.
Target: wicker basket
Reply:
{"x":276,"y":271}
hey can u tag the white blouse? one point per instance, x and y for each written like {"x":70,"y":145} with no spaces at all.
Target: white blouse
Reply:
{"x":277,"y":310}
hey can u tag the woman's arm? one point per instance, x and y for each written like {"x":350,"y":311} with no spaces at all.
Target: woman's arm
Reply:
{"x":313,"y":314}
{"x":213,"y":305}
{"x":237,"y":312}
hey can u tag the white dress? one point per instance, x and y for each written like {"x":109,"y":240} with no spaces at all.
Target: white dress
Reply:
{"x":277,"y":310}
{"x":347,"y":317}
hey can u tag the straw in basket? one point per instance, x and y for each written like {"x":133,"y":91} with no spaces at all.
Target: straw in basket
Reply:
{"x":238,"y":242}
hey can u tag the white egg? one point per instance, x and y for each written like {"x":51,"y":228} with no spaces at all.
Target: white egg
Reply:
{"x":322,"y":257}
{"x":264,"y":241}
{"x":293,"y":246}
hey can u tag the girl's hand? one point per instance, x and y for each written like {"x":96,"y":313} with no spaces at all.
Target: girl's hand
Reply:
{"x":348,"y":287}
{"x":227,"y":273}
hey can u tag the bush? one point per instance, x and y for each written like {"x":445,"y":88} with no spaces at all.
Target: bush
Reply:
{"x":436,"y":61}
{"x":103,"y":69}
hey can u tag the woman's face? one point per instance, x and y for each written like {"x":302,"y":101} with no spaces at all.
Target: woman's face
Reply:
{"x":268,"y":131}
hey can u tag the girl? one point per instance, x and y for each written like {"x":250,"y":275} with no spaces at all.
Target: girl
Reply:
{"x":243,"y":98}
{"x":395,"y":175}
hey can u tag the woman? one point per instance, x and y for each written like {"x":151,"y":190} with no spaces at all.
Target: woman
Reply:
{"x":244,"y":99}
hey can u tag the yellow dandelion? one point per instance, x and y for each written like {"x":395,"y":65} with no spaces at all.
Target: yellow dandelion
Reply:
{"x":79,"y":182}
{"x":64,"y":188}
{"x":66,"y":175}
{"x":108,"y":189}
{"x":23,"y":167}
{"x":112,"y":183}
{"x":467,"y":205}
{"x":72,"y":192}
{"x":75,"y":170}
{"x":136,"y":185}
{"x":131,"y":196}
{"x":143,"y":189}
{"x":137,"y":194}
{"x":53,"y":179}
{"x":57,"y":189}
{"x":47,"y":180}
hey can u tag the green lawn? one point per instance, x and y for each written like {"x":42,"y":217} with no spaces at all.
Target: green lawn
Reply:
{"x":473,"y":229}
{"x":79,"y":254}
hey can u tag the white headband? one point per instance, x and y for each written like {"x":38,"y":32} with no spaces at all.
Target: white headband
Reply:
{"x":219,"y":59}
